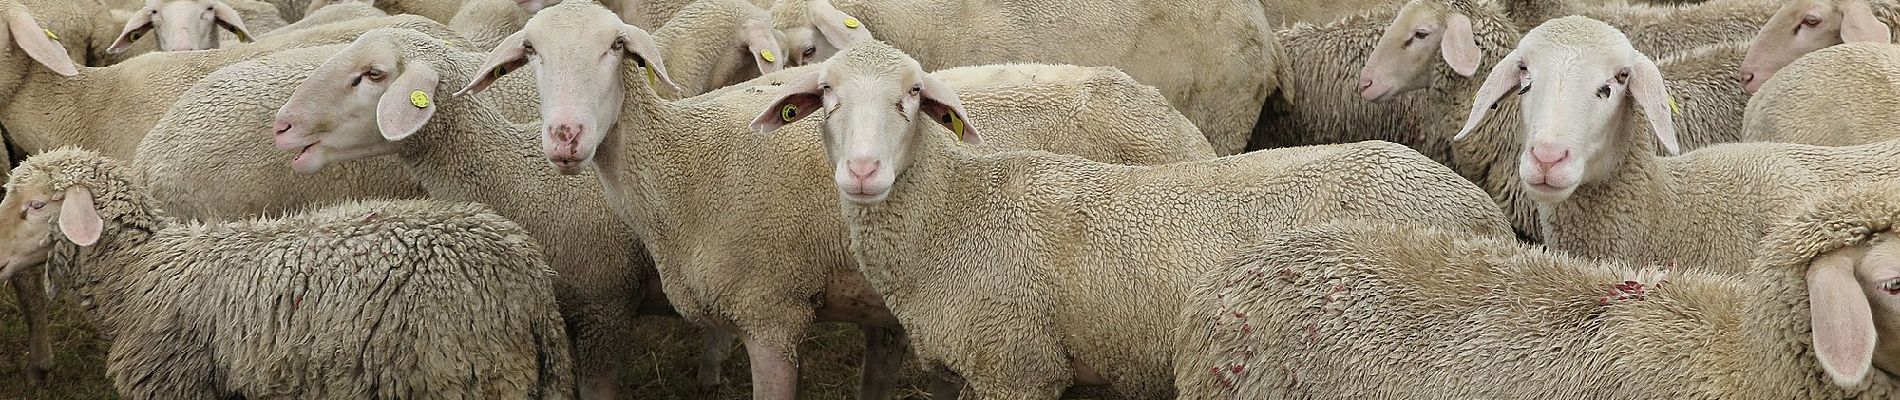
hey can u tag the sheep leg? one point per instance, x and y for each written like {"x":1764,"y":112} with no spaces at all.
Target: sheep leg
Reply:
{"x":944,"y":388}
{"x":774,"y":368}
{"x":712,"y":360}
{"x":883,"y":356}
{"x":601,"y":341}
{"x":39,"y":346}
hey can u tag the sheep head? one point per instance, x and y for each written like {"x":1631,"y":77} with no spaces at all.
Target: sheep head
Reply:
{"x":1803,"y":26}
{"x":1404,"y":58}
{"x":580,"y":52}
{"x":1854,"y":303}
{"x":37,"y":201}
{"x":1578,"y":79}
{"x":182,"y":25}
{"x":816,"y":31}
{"x":357,"y":103}
{"x":878,"y":101}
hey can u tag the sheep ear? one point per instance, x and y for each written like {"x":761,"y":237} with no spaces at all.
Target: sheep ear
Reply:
{"x":839,"y":29}
{"x":641,"y":46}
{"x":1842,"y":319}
{"x":78,"y":218}
{"x":1504,"y":77}
{"x":940,"y":102}
{"x":765,"y":49}
{"x":39,"y":44}
{"x":1646,"y":86}
{"x":1859,"y":25}
{"x":507,"y":57}
{"x":408,"y":103}
{"x":228,"y":18}
{"x":531,"y":6}
{"x":796,"y":99}
{"x":138,"y":26}
{"x":1459,"y":46}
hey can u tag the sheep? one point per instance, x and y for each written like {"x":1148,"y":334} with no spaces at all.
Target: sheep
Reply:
{"x":1803,"y":26}
{"x":486,"y":22}
{"x":718,"y":43}
{"x":1216,"y":60}
{"x":334,"y":14}
{"x":653,"y":15}
{"x":1078,"y":241}
{"x":1599,"y":187}
{"x":1291,"y":12}
{"x":290,"y":10}
{"x":380,"y":300}
{"x":1836,"y":96}
{"x":182,"y":25}
{"x":1358,"y":309}
{"x":461,"y":150}
{"x":1658,"y":29}
{"x":769,"y":211}
{"x":442,"y":11}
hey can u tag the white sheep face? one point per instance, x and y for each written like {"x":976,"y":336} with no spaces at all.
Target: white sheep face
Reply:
{"x":580,"y":52}
{"x":1412,"y":47}
{"x":1802,"y":26}
{"x":877,"y":103}
{"x":1577,"y":79}
{"x":27,"y":216}
{"x":337,"y":114}
{"x":180,"y":25}
{"x":1854,"y":304}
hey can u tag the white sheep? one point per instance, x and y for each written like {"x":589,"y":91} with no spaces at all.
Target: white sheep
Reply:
{"x":1601,"y":190}
{"x":653,"y":15}
{"x":182,"y":25}
{"x":1217,"y":60}
{"x":384,"y":300}
{"x":1022,"y":256}
{"x":1659,"y":29}
{"x":1836,"y":96}
{"x":461,"y":150}
{"x":330,"y":15}
{"x":744,"y":237}
{"x":442,"y":11}
{"x":1355,"y":309}
{"x":1803,"y":26}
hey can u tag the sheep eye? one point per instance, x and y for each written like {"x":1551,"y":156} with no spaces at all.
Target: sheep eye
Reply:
{"x":527,"y":47}
{"x":1623,"y":76}
{"x":1891,"y":286}
{"x":36,"y":204}
{"x":619,"y":45}
{"x":1420,"y":34}
{"x":1603,"y":92}
{"x":811,"y":51}
{"x":916,"y":88}
{"x":373,"y":74}
{"x":1811,"y":21}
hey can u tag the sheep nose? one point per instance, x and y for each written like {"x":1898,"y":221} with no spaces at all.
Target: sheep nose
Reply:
{"x":566,"y":133}
{"x":1745,"y":77}
{"x":1364,"y":83}
{"x":1548,"y":156}
{"x":862,"y":169}
{"x":281,"y":127}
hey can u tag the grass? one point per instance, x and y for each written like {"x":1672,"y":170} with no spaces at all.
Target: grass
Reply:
{"x":664,"y":370}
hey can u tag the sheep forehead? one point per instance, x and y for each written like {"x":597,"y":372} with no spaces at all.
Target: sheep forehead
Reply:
{"x":1580,"y":32}
{"x":871,"y":68}
{"x":587,"y":18}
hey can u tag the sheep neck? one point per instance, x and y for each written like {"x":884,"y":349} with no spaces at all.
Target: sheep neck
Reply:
{"x":655,"y":142}
{"x":940,"y":177}
{"x":48,"y":110}
{"x":104,"y":277}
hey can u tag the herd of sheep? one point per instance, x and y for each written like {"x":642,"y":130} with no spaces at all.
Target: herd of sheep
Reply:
{"x":1198,"y":199}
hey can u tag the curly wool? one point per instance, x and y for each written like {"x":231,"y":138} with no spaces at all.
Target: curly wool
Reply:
{"x":1356,"y":309}
{"x":1842,"y":95}
{"x":274,"y":308}
{"x":1660,"y":29}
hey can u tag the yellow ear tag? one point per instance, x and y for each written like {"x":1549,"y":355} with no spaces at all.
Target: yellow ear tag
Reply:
{"x":852,"y":22}
{"x":50,"y":35}
{"x":419,"y":99}
{"x":242,"y":37}
{"x":956,"y":124}
{"x":1672,"y":105}
{"x":789,"y":113}
{"x":653,"y":79}
{"x":768,"y":56}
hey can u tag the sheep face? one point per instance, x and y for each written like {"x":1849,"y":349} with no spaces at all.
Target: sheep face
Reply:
{"x":31,"y":208}
{"x":1577,"y":78}
{"x":1803,"y":26}
{"x":1854,"y":303}
{"x":823,"y":35}
{"x":1405,"y":57}
{"x":580,"y":52}
{"x":877,"y":102}
{"x":23,"y":32}
{"x":181,"y":25}
{"x":357,"y":103}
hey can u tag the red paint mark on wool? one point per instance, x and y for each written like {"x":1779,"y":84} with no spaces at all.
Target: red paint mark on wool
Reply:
{"x":1238,"y":369}
{"x":1246,"y":328}
{"x":1238,"y":314}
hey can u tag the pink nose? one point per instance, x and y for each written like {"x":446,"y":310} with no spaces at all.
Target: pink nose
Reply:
{"x":566,"y":133}
{"x":1548,"y":156}
{"x":1745,"y":78}
{"x":1364,"y":83}
{"x":862,"y":169}
{"x":281,"y":127}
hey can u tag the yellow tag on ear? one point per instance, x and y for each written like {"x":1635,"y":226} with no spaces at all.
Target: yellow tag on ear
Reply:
{"x":852,"y":22}
{"x":767,"y":56}
{"x":419,"y":99}
{"x":50,"y":35}
{"x":789,"y":113}
{"x":956,"y":124}
{"x":242,"y":37}
{"x":1672,"y":105}
{"x":653,"y":79}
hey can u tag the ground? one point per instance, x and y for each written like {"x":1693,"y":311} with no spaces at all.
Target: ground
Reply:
{"x":664,"y":371}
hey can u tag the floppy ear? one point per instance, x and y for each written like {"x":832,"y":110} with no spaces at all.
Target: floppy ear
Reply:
{"x":641,"y":46}
{"x":1859,"y":25}
{"x":1459,"y":46}
{"x":138,"y":26}
{"x":38,"y":43}
{"x":839,"y":29}
{"x":228,"y":18}
{"x":1646,"y":86}
{"x":78,"y":219}
{"x":940,"y":103}
{"x":1505,"y":76}
{"x":507,"y":57}
{"x":764,"y":48}
{"x":796,"y":99}
{"x":409,"y":102}
{"x":1843,"y":322}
